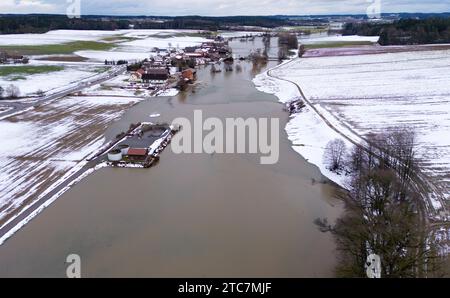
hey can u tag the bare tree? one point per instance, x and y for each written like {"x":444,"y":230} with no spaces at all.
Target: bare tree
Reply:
{"x":12,"y":91}
{"x":381,"y":216}
{"x":282,"y":53}
{"x":301,"y":50}
{"x":2,"y":91}
{"x":288,"y":40}
{"x":335,"y":152}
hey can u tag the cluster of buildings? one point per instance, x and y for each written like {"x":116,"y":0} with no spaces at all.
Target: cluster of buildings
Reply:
{"x":6,"y":58}
{"x":179,"y":65}
{"x":141,"y":147}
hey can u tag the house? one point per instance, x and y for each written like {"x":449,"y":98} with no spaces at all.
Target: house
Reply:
{"x":155,"y":74}
{"x":190,"y":49}
{"x":137,"y":153}
{"x":136,"y":76}
{"x":189,"y":75}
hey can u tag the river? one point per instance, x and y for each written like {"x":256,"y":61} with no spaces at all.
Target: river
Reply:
{"x":193,"y":215}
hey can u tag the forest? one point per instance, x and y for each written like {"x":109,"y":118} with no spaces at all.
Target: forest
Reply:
{"x":17,"y":24}
{"x":405,"y":31}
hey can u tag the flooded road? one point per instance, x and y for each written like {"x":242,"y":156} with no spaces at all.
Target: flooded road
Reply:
{"x":193,"y":215}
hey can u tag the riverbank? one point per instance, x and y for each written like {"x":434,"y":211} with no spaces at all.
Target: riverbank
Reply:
{"x":413,"y":94}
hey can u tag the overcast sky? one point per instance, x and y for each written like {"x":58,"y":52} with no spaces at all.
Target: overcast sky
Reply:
{"x":221,"y":7}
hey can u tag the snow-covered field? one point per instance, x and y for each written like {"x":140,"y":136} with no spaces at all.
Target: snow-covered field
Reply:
{"x":30,"y":84}
{"x":339,"y":38}
{"x":45,"y":145}
{"x":54,"y":37}
{"x":234,"y":34}
{"x":163,"y":43}
{"x":371,"y":93}
{"x":114,"y":55}
{"x":65,"y":36}
{"x":143,"y":41}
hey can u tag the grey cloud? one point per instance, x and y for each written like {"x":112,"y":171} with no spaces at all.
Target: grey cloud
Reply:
{"x":230,"y":7}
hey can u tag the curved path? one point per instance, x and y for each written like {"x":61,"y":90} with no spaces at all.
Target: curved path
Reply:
{"x":422,"y":183}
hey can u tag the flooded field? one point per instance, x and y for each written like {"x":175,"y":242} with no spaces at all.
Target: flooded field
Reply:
{"x":192,"y":215}
{"x":49,"y":142}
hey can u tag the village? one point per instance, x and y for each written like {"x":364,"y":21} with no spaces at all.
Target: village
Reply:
{"x":142,"y":144}
{"x":175,"y":68}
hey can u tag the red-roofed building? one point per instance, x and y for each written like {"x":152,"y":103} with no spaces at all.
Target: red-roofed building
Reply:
{"x":137,"y":152}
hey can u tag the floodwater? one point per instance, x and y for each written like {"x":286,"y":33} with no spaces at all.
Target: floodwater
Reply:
{"x":193,"y":215}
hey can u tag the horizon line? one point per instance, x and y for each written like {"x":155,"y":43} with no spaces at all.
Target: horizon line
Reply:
{"x":223,"y":16}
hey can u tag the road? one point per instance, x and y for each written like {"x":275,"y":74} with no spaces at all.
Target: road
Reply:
{"x":23,"y":104}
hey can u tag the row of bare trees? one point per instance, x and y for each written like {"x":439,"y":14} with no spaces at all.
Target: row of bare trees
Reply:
{"x":286,"y":42}
{"x":382,"y":215}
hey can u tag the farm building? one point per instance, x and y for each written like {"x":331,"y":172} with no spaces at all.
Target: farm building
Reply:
{"x":137,"y":153}
{"x":189,"y":75}
{"x":155,"y":74}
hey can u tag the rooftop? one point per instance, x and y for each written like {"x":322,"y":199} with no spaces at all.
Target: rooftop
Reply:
{"x":137,"y":152}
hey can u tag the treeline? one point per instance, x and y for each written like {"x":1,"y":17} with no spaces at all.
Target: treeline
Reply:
{"x":405,"y":31}
{"x":17,"y":24}
{"x":286,"y":43}
{"x":10,"y":24}
{"x":383,"y":209}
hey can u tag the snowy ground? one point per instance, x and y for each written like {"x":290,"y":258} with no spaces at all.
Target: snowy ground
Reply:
{"x":164,"y":43}
{"x":64,"y":36}
{"x":137,"y":49}
{"x":234,"y":34}
{"x":339,"y":38}
{"x":42,"y":146}
{"x":54,"y":37}
{"x":114,"y":55}
{"x":371,"y":93}
{"x":30,"y":84}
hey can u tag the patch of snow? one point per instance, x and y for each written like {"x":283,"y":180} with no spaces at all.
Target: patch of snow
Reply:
{"x":339,"y":38}
{"x":164,"y":43}
{"x":114,"y":55}
{"x":168,"y":92}
{"x":53,"y":37}
{"x":48,"y":81}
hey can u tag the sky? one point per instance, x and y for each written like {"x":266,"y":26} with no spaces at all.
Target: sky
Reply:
{"x":220,"y":7}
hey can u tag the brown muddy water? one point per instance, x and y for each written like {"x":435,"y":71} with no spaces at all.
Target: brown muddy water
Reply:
{"x":193,"y":215}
